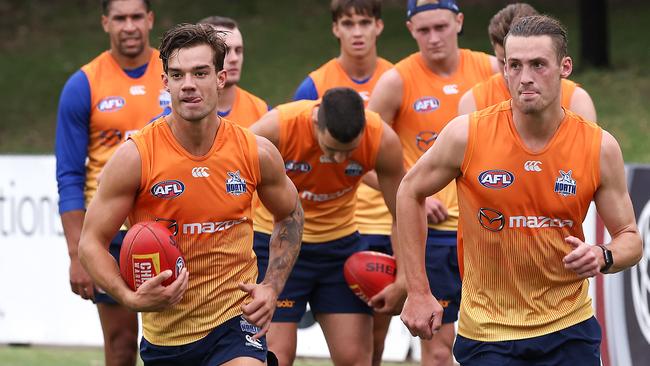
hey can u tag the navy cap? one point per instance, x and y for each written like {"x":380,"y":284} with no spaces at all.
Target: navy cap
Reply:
{"x":416,"y":6}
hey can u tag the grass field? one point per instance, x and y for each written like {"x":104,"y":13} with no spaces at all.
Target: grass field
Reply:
{"x":42,"y":44}
{"x":62,"y":356}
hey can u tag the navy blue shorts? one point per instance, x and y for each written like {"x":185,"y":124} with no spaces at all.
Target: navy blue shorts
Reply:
{"x":443,"y":272}
{"x":317,"y":278}
{"x":378,"y":243}
{"x":114,"y":248}
{"x":226,"y":342}
{"x":578,"y":345}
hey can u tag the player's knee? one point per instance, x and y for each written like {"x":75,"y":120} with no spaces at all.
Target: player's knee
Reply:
{"x":285,"y":356}
{"x":436,"y":356}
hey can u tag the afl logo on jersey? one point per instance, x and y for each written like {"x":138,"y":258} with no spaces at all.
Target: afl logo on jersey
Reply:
{"x":111,"y":104}
{"x":168,"y":189}
{"x":496,"y":179}
{"x":426,"y":104}
{"x":235,"y":184}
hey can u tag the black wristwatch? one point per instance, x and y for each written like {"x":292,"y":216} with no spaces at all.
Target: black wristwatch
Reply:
{"x":608,"y":257}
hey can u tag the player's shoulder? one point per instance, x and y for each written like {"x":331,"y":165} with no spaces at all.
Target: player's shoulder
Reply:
{"x":327,"y":66}
{"x":252,"y":97}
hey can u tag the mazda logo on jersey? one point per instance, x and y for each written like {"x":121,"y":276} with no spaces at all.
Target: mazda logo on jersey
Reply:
{"x":425,"y":139}
{"x":491,"y":219}
{"x":168,"y":189}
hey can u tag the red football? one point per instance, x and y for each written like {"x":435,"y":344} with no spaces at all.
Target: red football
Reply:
{"x":368,"y":272}
{"x":148,"y":249}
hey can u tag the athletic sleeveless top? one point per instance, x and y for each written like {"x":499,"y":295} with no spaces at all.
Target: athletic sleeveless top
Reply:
{"x":120,"y":105}
{"x":516,"y":208}
{"x":326,"y":189}
{"x":209,"y":200}
{"x":247,"y":108}
{"x":429,"y":102}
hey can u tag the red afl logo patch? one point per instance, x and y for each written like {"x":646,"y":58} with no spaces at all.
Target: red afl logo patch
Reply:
{"x":111,"y":104}
{"x":168,"y":189}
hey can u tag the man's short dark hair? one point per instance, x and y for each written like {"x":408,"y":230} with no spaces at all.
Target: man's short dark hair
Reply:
{"x":541,"y":25}
{"x":219,"y":21}
{"x":339,"y":8}
{"x":341,"y":112}
{"x":501,"y":21}
{"x":107,"y":3}
{"x":190,"y":35}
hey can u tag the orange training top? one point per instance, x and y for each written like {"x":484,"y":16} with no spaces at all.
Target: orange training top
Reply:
{"x":516,"y":208}
{"x":120,"y":105}
{"x":209,"y":200}
{"x":372,"y":214}
{"x":326,"y":189}
{"x":494,"y":90}
{"x":429,"y":102}
{"x":246,"y":109}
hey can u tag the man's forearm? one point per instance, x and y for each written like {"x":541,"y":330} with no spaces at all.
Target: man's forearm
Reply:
{"x":284,"y":248}
{"x":72,"y":222}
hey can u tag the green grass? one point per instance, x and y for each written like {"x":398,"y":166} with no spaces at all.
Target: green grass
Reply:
{"x":41,"y":45}
{"x":90,"y":356}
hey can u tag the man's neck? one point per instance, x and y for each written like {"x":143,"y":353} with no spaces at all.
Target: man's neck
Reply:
{"x":358,"y":68}
{"x":130,"y":63}
{"x":537,"y":129}
{"x":445,"y":67}
{"x":196,"y":137}
{"x":227,"y":97}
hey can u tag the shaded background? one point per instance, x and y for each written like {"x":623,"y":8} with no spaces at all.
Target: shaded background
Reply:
{"x":43,"y":42}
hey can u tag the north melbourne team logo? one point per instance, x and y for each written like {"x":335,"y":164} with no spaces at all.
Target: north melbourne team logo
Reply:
{"x":353,"y":169}
{"x":235,"y":184}
{"x":565,"y":185}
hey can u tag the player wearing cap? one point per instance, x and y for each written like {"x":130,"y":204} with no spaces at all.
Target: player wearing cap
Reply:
{"x":526,"y":264}
{"x":340,"y":142}
{"x":494,"y":90}
{"x":356,"y":24}
{"x":419,"y":96}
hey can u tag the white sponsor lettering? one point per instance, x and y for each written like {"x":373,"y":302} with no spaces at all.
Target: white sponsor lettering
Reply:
{"x":210,"y":227}
{"x":200,"y":172}
{"x":321,"y":197}
{"x":137,"y":90}
{"x":532,"y":166}
{"x":536,"y":222}
{"x":450,"y":89}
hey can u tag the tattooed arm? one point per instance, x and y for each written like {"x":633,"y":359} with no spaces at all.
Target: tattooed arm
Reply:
{"x":279,"y":196}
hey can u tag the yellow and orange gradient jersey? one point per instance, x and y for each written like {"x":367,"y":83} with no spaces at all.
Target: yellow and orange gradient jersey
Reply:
{"x":372,"y":214}
{"x":429,"y":102}
{"x":516,"y":208}
{"x":208,"y":199}
{"x":327,"y":189}
{"x":120,"y":105}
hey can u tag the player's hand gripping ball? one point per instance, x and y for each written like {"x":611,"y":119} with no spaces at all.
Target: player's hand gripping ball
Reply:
{"x":148,"y":249}
{"x":368,"y":272}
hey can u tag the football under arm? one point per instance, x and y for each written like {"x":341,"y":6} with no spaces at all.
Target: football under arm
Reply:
{"x":106,"y":214}
{"x":278,"y":194}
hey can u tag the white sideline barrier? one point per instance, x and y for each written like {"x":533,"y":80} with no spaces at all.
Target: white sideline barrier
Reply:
{"x":37,"y":306}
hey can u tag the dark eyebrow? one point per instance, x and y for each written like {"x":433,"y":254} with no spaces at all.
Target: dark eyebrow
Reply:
{"x":197,"y":68}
